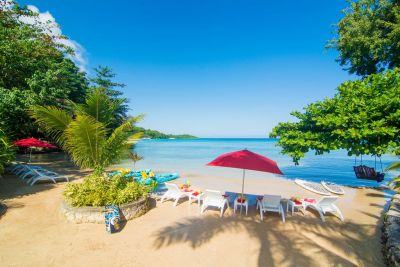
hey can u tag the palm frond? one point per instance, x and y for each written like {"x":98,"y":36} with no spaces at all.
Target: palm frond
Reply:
{"x":121,"y":139}
{"x":394,"y":166}
{"x":52,"y":119}
{"x":85,"y":140}
{"x":99,"y":106}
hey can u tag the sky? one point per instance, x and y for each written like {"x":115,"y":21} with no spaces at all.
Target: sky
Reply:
{"x":208,"y":68}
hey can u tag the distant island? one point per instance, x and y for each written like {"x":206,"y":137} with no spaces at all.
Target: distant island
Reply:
{"x":153,"y":134}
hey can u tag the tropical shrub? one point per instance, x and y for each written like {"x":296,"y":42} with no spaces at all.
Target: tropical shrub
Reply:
{"x":85,"y":133}
{"x":395,"y":182}
{"x":98,"y":190}
{"x":7,"y":151}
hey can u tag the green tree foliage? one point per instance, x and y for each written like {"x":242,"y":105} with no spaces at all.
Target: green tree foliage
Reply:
{"x":86,"y":134}
{"x":369,"y":36}
{"x":153,"y":134}
{"x":104,"y":80}
{"x":7,"y":151}
{"x":34,"y":70}
{"x":363,"y":117}
{"x":395,"y":182}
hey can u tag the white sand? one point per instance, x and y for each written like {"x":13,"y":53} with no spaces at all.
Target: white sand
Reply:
{"x":33,"y":232}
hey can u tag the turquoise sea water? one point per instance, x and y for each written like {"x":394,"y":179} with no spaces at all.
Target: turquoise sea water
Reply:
{"x":191,"y":156}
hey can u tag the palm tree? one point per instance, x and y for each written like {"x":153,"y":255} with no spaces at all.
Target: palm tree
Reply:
{"x":135,"y":157}
{"x":395,"y":182}
{"x":85,"y":133}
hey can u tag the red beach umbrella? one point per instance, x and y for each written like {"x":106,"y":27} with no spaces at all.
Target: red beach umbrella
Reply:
{"x":32,"y":142}
{"x":246,"y":160}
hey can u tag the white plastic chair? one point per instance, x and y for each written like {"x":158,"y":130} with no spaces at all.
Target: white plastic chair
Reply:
{"x":271,"y":203}
{"x":173,"y":193}
{"x":324,"y":205}
{"x":213,"y":198}
{"x":40,"y":175}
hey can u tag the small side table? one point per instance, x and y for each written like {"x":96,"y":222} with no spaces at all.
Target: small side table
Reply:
{"x":197,"y":197}
{"x":242,"y":202}
{"x":292,"y":205}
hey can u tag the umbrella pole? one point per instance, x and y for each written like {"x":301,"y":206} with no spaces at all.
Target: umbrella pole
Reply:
{"x":241,"y":206}
{"x":30,"y":155}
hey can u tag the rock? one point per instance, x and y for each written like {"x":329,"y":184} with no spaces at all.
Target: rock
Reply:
{"x":391,"y":233}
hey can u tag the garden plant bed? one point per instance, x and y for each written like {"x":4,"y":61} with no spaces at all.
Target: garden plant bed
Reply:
{"x":96,"y":214}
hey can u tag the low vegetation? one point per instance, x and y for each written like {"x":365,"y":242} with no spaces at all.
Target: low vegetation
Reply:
{"x":7,"y":151}
{"x":98,"y":190}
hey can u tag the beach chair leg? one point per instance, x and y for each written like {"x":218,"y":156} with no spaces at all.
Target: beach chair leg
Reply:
{"x":247,"y":207}
{"x":322,"y":215}
{"x":222,"y":211}
{"x":283,"y":214}
{"x":339,"y":213}
{"x":176,"y":201}
{"x":203,"y":208}
{"x":261,"y":214}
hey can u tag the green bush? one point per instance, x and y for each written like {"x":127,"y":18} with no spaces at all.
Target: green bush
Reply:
{"x":7,"y":151}
{"x":101,"y":190}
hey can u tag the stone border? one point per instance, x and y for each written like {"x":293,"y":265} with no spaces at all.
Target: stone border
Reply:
{"x":96,"y":214}
{"x":391,"y":233}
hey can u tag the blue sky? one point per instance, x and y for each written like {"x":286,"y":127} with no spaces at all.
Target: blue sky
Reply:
{"x":209,"y":68}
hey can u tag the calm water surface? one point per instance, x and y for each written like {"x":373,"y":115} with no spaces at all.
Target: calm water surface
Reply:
{"x":191,"y":156}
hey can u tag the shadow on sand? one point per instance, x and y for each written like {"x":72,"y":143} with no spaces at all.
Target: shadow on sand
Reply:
{"x":296,"y":242}
{"x":12,"y":186}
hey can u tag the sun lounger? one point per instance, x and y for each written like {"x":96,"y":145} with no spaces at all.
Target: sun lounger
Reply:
{"x":173,"y":192}
{"x":325,"y":205}
{"x":271,"y":203}
{"x":29,"y":171}
{"x":213,"y":198}
{"x":40,"y":175}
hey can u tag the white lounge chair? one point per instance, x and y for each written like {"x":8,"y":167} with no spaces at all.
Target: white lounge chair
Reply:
{"x":271,"y":203}
{"x":45,"y":175}
{"x":213,"y":198}
{"x":325,"y":205}
{"x":173,"y":193}
{"x":29,"y":171}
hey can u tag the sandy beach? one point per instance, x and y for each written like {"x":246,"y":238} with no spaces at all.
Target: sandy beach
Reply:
{"x":34,"y":232}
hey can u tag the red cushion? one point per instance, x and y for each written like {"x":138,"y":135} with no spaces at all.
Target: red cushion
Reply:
{"x":195,"y":194}
{"x":310,"y":200}
{"x":297,"y":202}
{"x":241,"y":200}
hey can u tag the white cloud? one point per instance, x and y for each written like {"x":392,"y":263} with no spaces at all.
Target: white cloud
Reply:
{"x":54,"y":29}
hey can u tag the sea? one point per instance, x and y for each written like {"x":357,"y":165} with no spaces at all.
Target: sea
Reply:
{"x":190,"y":156}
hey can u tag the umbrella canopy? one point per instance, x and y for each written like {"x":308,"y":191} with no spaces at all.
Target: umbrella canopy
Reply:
{"x":33,"y":142}
{"x":245,"y":159}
